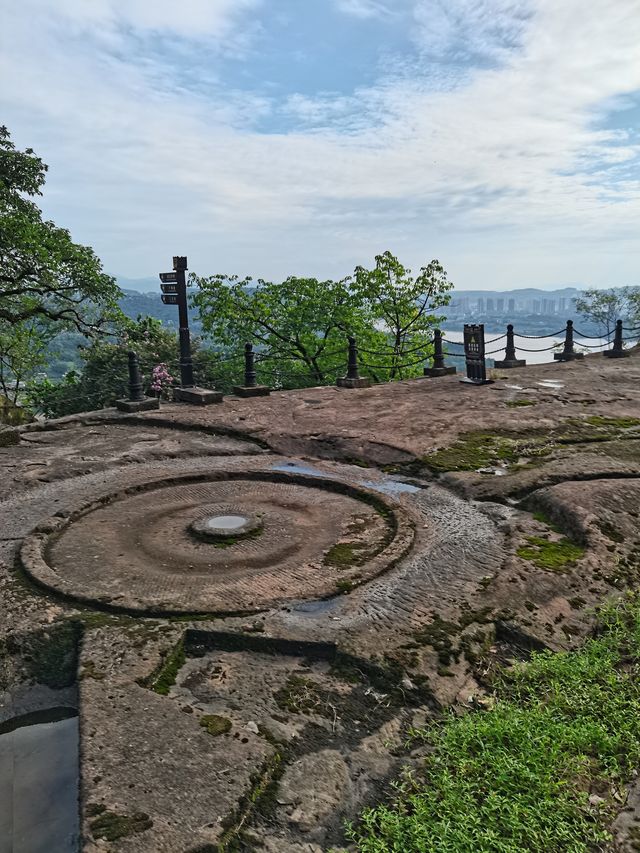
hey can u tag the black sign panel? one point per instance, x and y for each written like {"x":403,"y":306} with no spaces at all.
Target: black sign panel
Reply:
{"x":474,"y":353}
{"x":170,"y":298}
{"x":168,"y":276}
{"x":169,"y":288}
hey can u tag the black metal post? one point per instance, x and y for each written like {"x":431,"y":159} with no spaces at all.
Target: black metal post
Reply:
{"x":439,"y":368}
{"x":618,"y":350}
{"x":510,"y":358}
{"x":352,"y":363}
{"x":249,"y":367}
{"x":135,"y":380}
{"x":250,"y":387}
{"x":353,"y":378}
{"x":137,"y":402}
{"x":568,"y":353}
{"x":186,"y":363}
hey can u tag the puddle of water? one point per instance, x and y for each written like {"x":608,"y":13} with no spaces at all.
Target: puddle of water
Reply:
{"x":390,"y":487}
{"x":316,"y":607}
{"x":39,"y":783}
{"x":291,"y":467}
{"x":551,"y":383}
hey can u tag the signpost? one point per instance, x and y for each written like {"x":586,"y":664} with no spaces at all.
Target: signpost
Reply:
{"x":174,"y":292}
{"x":474,"y":355}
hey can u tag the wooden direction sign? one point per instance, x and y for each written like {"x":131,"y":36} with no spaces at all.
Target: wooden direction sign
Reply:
{"x":170,"y":298}
{"x":168,"y":277}
{"x":169,"y":288}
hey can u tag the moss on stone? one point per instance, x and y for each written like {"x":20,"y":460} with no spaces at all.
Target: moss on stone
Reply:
{"x":215,"y":725}
{"x":518,"y":404}
{"x":552,"y":555}
{"x":610,"y":531}
{"x":111,"y":826}
{"x":162,"y":680}
{"x":481,"y":449}
{"x":343,"y":555}
{"x":616,"y":423}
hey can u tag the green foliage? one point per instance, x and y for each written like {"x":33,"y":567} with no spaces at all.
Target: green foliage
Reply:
{"x":103,"y":377}
{"x":517,"y":777}
{"x":300,"y":326}
{"x":45,"y":275}
{"x":405,"y":306}
{"x":604,"y":307}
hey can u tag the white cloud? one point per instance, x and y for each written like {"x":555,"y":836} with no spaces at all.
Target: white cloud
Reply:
{"x":504,"y":175}
{"x":363,"y":8}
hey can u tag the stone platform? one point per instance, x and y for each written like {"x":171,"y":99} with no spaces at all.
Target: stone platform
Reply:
{"x":386,"y":580}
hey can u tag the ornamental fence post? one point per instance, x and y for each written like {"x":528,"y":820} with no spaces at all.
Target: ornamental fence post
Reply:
{"x":568,"y":353}
{"x":438,"y":368}
{"x":510,"y":357}
{"x":353,"y":378}
{"x":250,"y":387}
{"x":137,"y":401}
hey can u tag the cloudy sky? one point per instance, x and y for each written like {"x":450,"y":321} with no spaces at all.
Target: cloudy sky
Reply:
{"x":271,"y":137}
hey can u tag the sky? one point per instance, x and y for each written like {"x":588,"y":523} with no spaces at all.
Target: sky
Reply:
{"x":279,"y":137}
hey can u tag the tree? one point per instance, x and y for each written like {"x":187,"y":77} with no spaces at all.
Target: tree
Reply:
{"x":404,"y":305}
{"x":44,"y":275}
{"x":299,"y":325}
{"x":604,"y":307}
{"x":103,"y":376}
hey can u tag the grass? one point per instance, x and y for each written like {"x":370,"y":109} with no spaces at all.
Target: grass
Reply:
{"x":518,"y":776}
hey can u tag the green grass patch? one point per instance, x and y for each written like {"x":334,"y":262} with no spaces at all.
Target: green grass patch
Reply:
{"x":517,"y":777}
{"x":554,"y":556}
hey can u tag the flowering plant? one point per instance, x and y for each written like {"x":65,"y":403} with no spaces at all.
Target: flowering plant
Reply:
{"x":161,"y":379}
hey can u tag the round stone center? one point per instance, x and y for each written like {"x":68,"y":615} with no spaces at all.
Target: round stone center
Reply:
{"x":227,"y":525}
{"x":226,"y":522}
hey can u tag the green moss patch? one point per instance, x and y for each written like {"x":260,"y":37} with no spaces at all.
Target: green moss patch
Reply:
{"x":517,"y":776}
{"x":162,"y":680}
{"x":616,"y":423}
{"x":343,"y":555}
{"x":215,"y":725}
{"x":554,"y":556}
{"x":518,"y":404}
{"x":481,"y":449}
{"x":111,"y":826}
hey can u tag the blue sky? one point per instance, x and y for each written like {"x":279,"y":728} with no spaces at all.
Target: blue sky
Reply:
{"x":305,"y":136}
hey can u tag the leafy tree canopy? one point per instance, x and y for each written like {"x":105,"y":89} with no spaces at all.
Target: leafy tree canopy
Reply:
{"x":300,"y":325}
{"x":604,"y":307}
{"x":44,"y":275}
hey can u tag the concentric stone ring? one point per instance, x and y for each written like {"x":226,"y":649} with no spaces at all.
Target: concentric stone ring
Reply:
{"x":224,"y":542}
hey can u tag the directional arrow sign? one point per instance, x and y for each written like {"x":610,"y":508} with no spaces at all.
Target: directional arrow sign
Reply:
{"x":168,"y":276}
{"x":169,"y":299}
{"x":169,"y":288}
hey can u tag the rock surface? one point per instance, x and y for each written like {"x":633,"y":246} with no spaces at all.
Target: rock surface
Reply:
{"x":313,"y":695}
